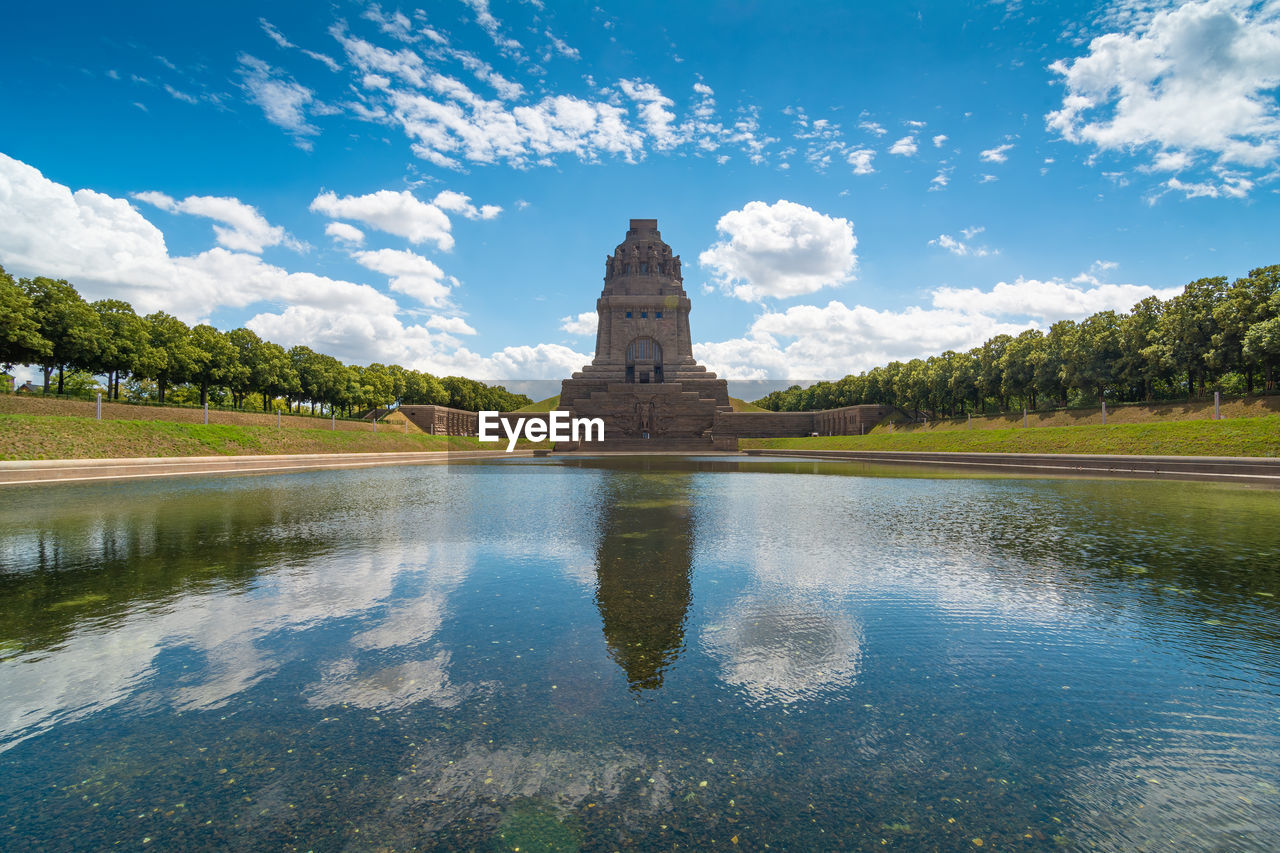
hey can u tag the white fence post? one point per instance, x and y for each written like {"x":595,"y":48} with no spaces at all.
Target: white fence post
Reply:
{"x":1024,"y":417}
{"x":99,"y":405}
{"x":1216,"y":401}
{"x":206,"y":414}
{"x":277,"y":419}
{"x":333,"y":421}
{"x":1104,"y":412}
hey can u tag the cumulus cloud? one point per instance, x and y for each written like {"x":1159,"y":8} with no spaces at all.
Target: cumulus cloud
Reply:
{"x":860,"y":159}
{"x":585,"y":323}
{"x":831,"y":341}
{"x":939,"y":140}
{"x":243,"y":228}
{"x":344,"y":233}
{"x":904,"y":147}
{"x":1048,"y":301}
{"x":410,"y":274}
{"x":1198,"y":79}
{"x":452,"y":325}
{"x":283,"y":100}
{"x":456,"y":202}
{"x":780,"y":250}
{"x":108,"y":249}
{"x":999,"y":154}
{"x":399,"y":213}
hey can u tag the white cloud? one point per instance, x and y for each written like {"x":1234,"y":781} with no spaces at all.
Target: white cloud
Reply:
{"x":958,"y":247}
{"x":108,"y":249}
{"x":490,"y":25}
{"x":584,"y":324}
{"x":345,"y":233}
{"x":398,"y":213}
{"x":456,"y":202}
{"x":452,"y":325}
{"x":403,"y":63}
{"x":282,"y":99}
{"x":1199,"y":78}
{"x":410,"y":274}
{"x":653,"y":106}
{"x":780,"y":250}
{"x":1231,"y":186}
{"x":809,"y":341}
{"x":939,"y":140}
{"x":970,"y":233}
{"x":998,"y":154}
{"x":872,"y":127}
{"x":940,"y":180}
{"x":275,"y":35}
{"x":834,"y":340}
{"x":1050,"y":300}
{"x":248,"y":229}
{"x":905,"y":147}
{"x":394,"y":24}
{"x":860,"y":159}
{"x":460,"y":123}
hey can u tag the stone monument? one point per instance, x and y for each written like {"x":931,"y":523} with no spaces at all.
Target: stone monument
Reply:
{"x":644,"y":381}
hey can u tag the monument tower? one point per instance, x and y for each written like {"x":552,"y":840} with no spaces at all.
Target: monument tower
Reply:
{"x":644,"y":381}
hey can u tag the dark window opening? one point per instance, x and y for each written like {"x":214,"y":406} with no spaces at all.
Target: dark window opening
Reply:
{"x":628,"y":315}
{"x":644,"y":315}
{"x":658,"y":315}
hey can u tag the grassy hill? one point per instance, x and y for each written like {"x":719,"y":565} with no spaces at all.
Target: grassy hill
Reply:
{"x":1254,"y":436}
{"x":63,"y":437}
{"x":542,"y":405}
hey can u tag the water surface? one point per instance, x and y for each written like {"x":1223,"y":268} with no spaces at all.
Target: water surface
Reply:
{"x":664,"y":654}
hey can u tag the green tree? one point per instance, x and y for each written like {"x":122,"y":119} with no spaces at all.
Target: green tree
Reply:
{"x":1262,"y":347}
{"x":169,"y":356}
{"x":1139,"y":365}
{"x":213,"y":359}
{"x":1187,"y":328}
{"x":20,"y":338}
{"x":1018,"y":366}
{"x":1245,"y":303}
{"x":1095,"y":352}
{"x":67,"y":322}
{"x":123,"y":342}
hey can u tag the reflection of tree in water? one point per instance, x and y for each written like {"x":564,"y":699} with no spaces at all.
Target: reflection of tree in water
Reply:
{"x":642,"y":570}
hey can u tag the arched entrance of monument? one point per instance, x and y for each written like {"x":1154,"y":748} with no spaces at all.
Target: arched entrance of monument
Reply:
{"x":644,"y":361}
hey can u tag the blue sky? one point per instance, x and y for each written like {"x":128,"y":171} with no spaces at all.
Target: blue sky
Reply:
{"x":438,"y":184}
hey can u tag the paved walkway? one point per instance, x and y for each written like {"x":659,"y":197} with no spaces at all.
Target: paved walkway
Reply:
{"x":85,"y":470}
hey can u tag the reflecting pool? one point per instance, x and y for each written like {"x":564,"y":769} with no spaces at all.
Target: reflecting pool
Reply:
{"x":599,"y":654}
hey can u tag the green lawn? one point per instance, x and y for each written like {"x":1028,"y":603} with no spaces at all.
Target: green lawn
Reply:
{"x":62,"y":437}
{"x":1233,"y":437}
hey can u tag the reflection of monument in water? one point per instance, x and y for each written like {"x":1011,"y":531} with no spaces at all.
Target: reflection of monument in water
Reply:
{"x":643,"y":381}
{"x":642,"y":573}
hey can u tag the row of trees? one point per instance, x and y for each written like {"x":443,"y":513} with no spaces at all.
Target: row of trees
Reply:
{"x":1212,"y":334}
{"x":45,"y":322}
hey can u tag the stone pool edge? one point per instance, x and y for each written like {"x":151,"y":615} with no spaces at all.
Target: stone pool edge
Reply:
{"x":1226,"y":468}
{"x":37,"y":471}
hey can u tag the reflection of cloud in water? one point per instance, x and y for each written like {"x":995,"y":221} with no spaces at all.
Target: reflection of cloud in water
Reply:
{"x":97,"y":667}
{"x":784,"y":650}
{"x":391,"y":687}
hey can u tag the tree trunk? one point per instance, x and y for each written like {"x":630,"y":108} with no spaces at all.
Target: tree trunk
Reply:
{"x":48,"y":372}
{"x":204,"y":393}
{"x":59,"y":378}
{"x":160,"y":383}
{"x":264,"y":401}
